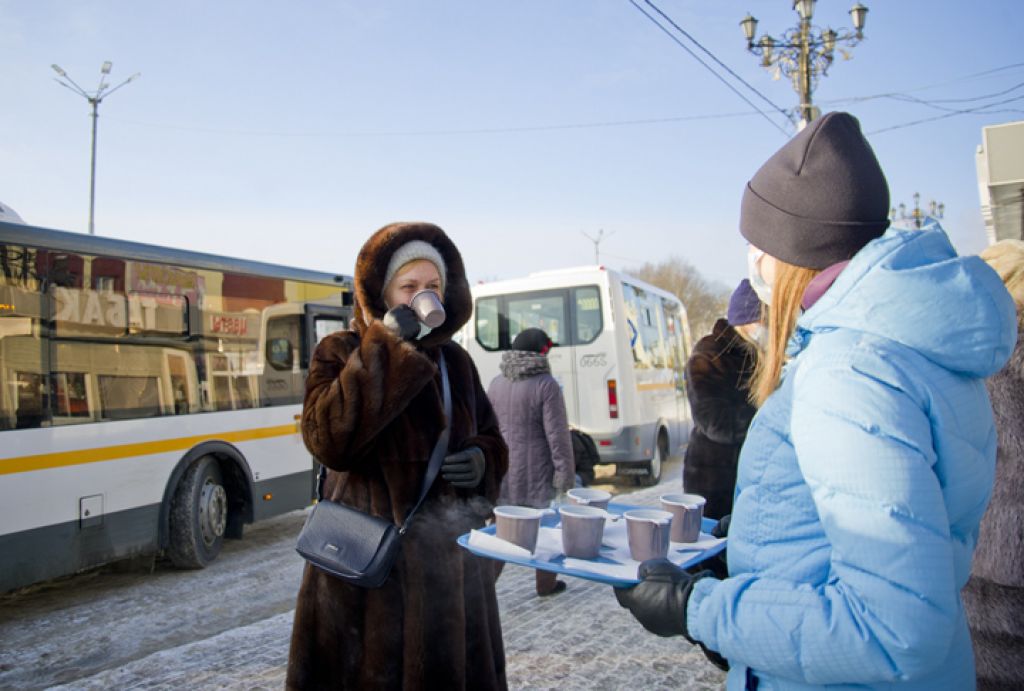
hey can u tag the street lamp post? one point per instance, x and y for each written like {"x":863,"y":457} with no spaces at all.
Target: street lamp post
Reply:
{"x":917,"y":217}
{"x":95,"y":98}
{"x":804,"y":53}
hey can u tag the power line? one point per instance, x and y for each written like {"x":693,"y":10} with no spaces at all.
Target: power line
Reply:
{"x":596,"y":124}
{"x":972,"y":98}
{"x":720,"y":63}
{"x":934,"y":85}
{"x":947,"y":115}
{"x":469,"y":131}
{"x":708,"y":68}
{"x":935,"y":103}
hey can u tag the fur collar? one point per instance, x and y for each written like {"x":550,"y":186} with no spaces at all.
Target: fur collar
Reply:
{"x":523,"y":364}
{"x":372,"y":265}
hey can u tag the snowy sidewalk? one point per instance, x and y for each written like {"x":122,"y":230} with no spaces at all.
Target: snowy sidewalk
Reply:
{"x":580,"y":639}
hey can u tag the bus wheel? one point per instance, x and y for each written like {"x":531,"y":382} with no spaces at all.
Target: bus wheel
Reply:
{"x":199,"y":515}
{"x":653,"y":475}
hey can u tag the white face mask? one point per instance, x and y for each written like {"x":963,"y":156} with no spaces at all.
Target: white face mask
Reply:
{"x":760,"y":336}
{"x":757,"y":282}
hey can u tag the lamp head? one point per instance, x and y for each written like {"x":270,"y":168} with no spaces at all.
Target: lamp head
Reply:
{"x":828,"y":38}
{"x":859,"y":14}
{"x":58,"y":70}
{"x":749,"y":25}
{"x":805,"y":8}
{"x":106,"y":67}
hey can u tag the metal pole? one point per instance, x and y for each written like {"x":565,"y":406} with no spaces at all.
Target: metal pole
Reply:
{"x":92,"y":177}
{"x":805,"y":72}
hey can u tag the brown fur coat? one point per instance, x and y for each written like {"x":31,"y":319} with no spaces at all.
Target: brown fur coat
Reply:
{"x":717,"y":385}
{"x":994,"y":596}
{"x":372,"y":413}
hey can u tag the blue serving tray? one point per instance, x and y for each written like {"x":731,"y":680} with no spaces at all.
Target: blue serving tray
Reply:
{"x":557,"y":566}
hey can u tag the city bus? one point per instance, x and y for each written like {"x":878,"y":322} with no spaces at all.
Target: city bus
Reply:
{"x":150,"y":398}
{"x":620,"y":352}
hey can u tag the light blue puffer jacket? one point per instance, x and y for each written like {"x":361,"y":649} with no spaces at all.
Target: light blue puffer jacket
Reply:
{"x":863,"y":480}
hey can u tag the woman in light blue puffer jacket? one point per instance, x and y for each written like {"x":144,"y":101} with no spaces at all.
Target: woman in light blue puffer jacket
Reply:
{"x":869,"y":465}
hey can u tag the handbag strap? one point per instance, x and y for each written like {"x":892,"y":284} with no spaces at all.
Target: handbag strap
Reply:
{"x":436,"y":456}
{"x":440,"y":448}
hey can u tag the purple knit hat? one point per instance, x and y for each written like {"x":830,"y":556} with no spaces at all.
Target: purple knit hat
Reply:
{"x":744,"y":305}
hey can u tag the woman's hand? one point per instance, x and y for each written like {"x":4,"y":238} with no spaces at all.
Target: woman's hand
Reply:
{"x":402,"y":321}
{"x":659,"y":602}
{"x":464,"y":468}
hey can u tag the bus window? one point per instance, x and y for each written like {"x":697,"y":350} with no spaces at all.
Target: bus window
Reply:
{"x":127,"y":398}
{"x":635,"y":303}
{"x":30,"y":410}
{"x":283,"y":341}
{"x":325,"y":326}
{"x":487,"y":323}
{"x":67,"y":391}
{"x":545,"y":311}
{"x":588,"y":314}
{"x":183,"y":383}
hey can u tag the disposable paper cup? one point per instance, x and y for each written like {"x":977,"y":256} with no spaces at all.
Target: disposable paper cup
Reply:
{"x":428,"y":308}
{"x":648,"y":532}
{"x":584,"y":496}
{"x":687,"y":511}
{"x":582,"y":530}
{"x":518,"y":525}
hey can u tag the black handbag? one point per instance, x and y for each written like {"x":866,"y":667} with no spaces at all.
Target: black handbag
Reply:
{"x":354,"y":546}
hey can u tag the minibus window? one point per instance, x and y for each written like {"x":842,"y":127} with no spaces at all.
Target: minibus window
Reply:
{"x":588,"y":314}
{"x":487,"y":323}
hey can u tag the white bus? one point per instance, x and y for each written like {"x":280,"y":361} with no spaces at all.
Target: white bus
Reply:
{"x":620,"y":354}
{"x":149,"y":398}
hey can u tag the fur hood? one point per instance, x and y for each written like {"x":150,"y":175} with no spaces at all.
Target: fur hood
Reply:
{"x":372,"y":265}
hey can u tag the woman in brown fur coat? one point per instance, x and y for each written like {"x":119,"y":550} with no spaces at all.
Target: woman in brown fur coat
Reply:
{"x":373,"y":412}
{"x":718,"y":387}
{"x":994,"y":595}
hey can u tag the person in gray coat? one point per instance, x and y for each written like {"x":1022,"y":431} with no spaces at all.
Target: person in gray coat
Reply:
{"x":531,"y":415}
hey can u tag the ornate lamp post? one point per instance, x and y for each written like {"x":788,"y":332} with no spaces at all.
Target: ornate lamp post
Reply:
{"x":917,"y":218}
{"x":95,"y":98}
{"x":804,"y":53}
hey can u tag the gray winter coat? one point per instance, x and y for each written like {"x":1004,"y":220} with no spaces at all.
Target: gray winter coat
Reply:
{"x":531,"y":415}
{"x":994,"y":596}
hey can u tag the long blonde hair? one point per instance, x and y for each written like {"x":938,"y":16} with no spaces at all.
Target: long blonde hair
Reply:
{"x":787,"y":291}
{"x":1007,"y":258}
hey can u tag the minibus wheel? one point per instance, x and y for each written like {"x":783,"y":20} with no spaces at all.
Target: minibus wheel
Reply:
{"x":198,"y":515}
{"x":653,"y":475}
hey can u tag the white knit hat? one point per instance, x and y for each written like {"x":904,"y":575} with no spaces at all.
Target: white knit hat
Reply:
{"x":411,"y":251}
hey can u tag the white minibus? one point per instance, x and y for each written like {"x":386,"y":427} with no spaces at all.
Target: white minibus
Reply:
{"x":620,"y":354}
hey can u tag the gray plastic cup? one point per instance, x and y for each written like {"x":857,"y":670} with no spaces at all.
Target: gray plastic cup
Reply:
{"x":582,"y":530}
{"x":585,"y":496}
{"x":428,"y":308}
{"x":648,"y":532}
{"x":518,"y":525}
{"x":687,"y":511}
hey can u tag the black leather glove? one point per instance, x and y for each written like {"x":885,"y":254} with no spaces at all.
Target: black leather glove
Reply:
{"x":659,"y":602}
{"x":721,"y":528}
{"x":464,"y":468}
{"x":403,"y":322}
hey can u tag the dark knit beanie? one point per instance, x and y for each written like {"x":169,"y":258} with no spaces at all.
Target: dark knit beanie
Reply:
{"x":744,"y":305}
{"x":820,"y":198}
{"x":532,"y":340}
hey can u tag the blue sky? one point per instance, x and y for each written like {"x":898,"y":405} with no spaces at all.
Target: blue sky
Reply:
{"x":288,"y":132}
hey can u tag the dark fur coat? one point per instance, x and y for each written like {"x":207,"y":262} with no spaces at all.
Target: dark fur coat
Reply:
{"x":372,"y":413}
{"x":717,"y":384}
{"x":994,"y":596}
